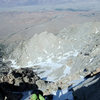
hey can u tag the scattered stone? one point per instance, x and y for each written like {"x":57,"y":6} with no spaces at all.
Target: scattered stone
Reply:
{"x":86,"y":54}
{"x":85,"y":70}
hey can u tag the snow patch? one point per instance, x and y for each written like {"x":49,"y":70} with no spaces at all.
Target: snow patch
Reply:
{"x":50,"y":64}
{"x":67,"y":70}
{"x":29,"y":64}
{"x":91,"y":60}
{"x":45,"y":51}
{"x":14,"y":65}
{"x":96,"y":30}
{"x":59,"y":47}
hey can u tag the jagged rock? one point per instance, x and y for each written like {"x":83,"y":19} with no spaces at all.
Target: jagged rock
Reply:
{"x":86,"y":54}
{"x":26,"y":79}
{"x":77,"y":47}
{"x":18,"y":76}
{"x":17,"y":81}
{"x":41,"y":84}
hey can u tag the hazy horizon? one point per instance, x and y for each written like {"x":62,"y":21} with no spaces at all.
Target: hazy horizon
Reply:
{"x":14,"y":3}
{"x":35,"y":5}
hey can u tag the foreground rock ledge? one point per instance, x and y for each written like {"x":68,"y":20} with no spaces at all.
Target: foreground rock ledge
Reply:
{"x":16,"y":81}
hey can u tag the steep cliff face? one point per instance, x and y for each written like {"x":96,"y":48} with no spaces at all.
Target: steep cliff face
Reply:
{"x":52,"y":56}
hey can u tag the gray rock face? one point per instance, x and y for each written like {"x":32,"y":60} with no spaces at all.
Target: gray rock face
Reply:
{"x":81,"y":38}
{"x":88,"y":90}
{"x":76,"y":47}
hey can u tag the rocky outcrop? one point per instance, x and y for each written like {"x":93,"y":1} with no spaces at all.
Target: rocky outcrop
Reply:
{"x":76,"y":47}
{"x":17,"y":81}
{"x":61,"y":58}
{"x":40,"y":46}
{"x":18,"y":76}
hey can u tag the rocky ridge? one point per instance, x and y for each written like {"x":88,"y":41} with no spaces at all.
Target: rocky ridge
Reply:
{"x":73,"y":49}
{"x":85,"y":42}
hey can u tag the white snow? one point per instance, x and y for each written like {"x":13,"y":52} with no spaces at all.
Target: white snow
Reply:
{"x":49,"y":65}
{"x":59,"y":47}
{"x":14,"y":65}
{"x":59,"y":42}
{"x":67,"y":70}
{"x":45,"y":51}
{"x":96,"y":30}
{"x":29,"y":64}
{"x":40,"y":59}
{"x":3,"y":60}
{"x":91,"y":60}
{"x":71,"y":53}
